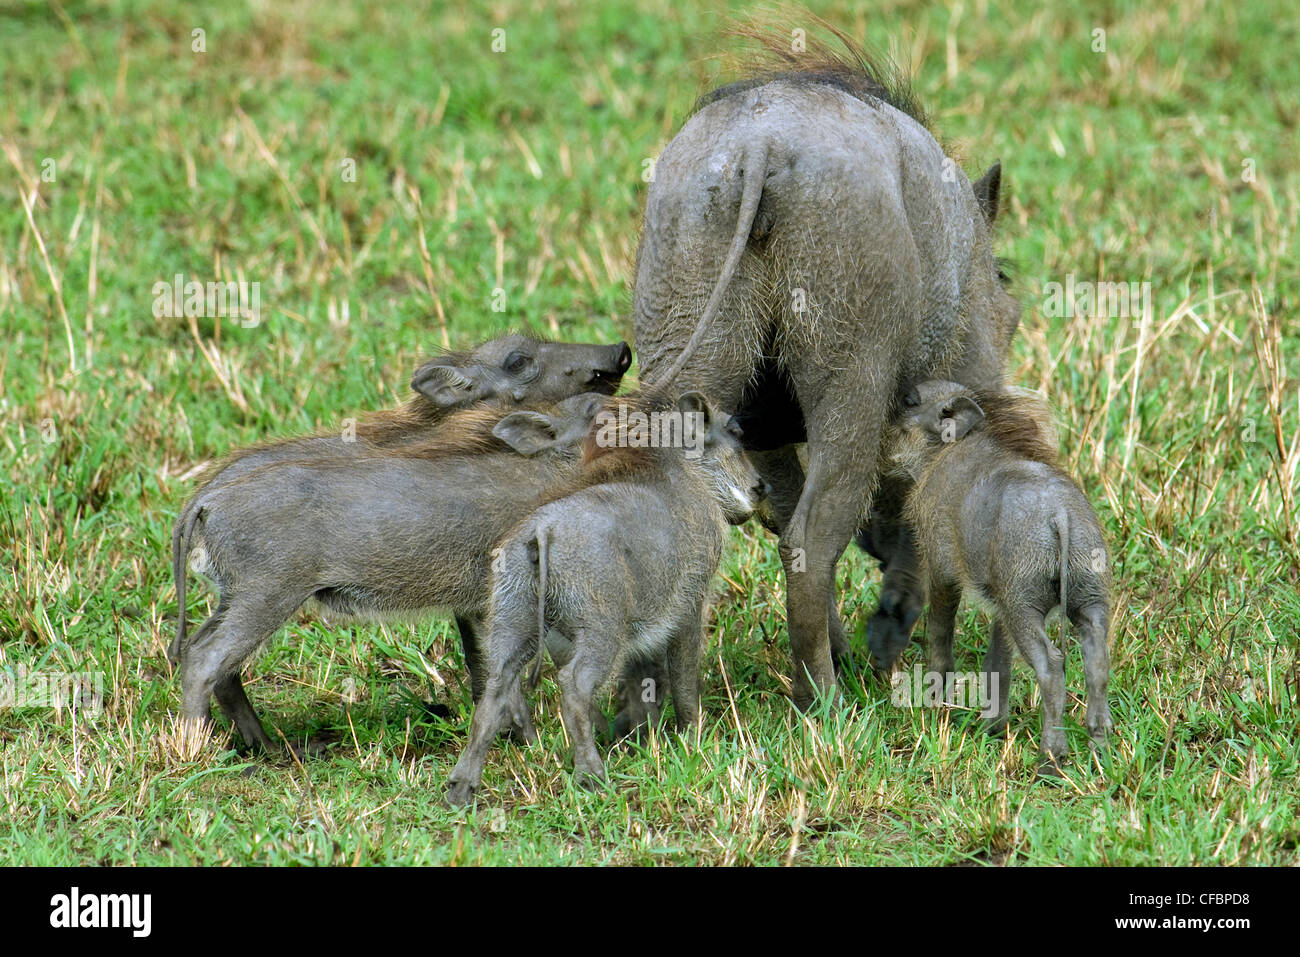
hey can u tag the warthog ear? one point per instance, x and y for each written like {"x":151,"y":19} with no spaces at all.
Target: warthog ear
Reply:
{"x":954,"y":419}
{"x":444,"y":385}
{"x":589,"y":403}
{"x":693,"y":403}
{"x":987,"y":190}
{"x":526,"y":432}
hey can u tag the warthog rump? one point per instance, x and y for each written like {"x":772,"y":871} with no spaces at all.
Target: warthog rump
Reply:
{"x":808,"y":249}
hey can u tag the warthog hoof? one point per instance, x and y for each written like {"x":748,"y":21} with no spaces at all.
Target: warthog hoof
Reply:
{"x":886,"y":639}
{"x":1099,"y":733}
{"x":628,"y":725}
{"x":588,"y":780}
{"x":316,"y":746}
{"x":1050,"y":769}
{"x":995,"y":727}
{"x":460,"y":793}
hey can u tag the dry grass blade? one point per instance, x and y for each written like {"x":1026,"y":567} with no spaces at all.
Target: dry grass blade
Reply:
{"x":272,"y":162}
{"x":227,"y":378}
{"x":1268,"y":350}
{"x":56,"y":284}
{"x":426,"y":263}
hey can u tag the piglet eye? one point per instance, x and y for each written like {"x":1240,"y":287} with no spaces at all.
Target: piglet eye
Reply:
{"x":517,"y":362}
{"x":912,"y":399}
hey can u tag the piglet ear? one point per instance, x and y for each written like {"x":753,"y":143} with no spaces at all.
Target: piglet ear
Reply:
{"x":526,"y":432}
{"x":693,"y":403}
{"x":957,"y":418}
{"x":988,"y":190}
{"x":444,"y":385}
{"x":589,"y":404}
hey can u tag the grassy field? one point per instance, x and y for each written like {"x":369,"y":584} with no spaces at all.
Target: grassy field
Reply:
{"x":128,"y":157}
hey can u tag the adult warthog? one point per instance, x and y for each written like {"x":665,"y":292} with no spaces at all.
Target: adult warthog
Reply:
{"x":808,"y":251}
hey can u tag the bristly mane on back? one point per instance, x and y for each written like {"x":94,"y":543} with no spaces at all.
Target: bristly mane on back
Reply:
{"x":869,"y":75}
{"x":1011,"y":422}
{"x":415,"y":429}
{"x":460,"y":432}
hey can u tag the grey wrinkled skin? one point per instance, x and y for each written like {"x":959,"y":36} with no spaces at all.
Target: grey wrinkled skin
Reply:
{"x":370,"y":535}
{"x":807,"y":251}
{"x":620,"y":569}
{"x":995,"y":519}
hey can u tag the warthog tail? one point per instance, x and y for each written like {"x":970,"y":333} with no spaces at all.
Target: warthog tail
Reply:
{"x":543,"y":549}
{"x":1062,"y":523}
{"x":753,"y":176}
{"x":180,"y":553}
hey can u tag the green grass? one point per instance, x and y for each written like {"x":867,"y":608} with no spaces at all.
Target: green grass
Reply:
{"x":523,"y":170}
